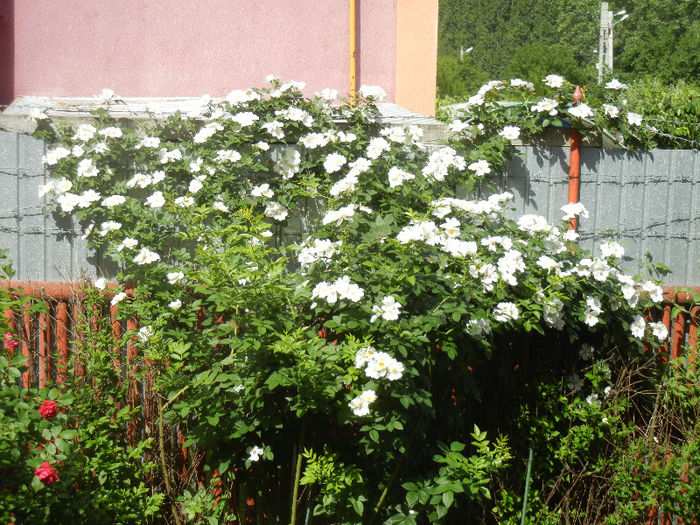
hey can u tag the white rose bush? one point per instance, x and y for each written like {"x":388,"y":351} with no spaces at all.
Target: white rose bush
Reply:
{"x":331,"y":314}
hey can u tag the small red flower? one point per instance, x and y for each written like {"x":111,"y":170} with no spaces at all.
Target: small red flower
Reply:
{"x":46,"y":474}
{"x":10,"y":343}
{"x":48,"y":409}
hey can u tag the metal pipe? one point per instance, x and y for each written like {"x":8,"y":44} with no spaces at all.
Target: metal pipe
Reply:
{"x":353,"y":51}
{"x":575,"y":163}
{"x":574,"y":173}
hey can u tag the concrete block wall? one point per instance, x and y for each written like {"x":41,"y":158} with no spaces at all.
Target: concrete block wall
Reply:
{"x":650,"y":202}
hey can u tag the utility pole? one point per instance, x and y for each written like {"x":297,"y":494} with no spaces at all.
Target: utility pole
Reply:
{"x":605,"y":42}
{"x":463,"y":51}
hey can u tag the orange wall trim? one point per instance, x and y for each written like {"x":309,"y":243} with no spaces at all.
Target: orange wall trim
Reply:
{"x":416,"y":55}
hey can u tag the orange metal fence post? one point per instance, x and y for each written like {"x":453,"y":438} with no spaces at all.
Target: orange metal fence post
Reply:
{"x":575,"y":163}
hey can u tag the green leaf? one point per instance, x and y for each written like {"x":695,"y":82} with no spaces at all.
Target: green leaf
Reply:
{"x":69,"y":434}
{"x":37,"y":485}
{"x":274,"y":380}
{"x":61,"y":444}
{"x":447,"y":499}
{"x":358,"y":506}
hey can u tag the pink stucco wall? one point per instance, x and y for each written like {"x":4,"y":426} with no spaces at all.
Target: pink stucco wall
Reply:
{"x":145,"y":48}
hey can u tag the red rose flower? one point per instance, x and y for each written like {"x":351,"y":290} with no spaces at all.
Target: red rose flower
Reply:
{"x":46,"y":474}
{"x":10,"y":343}
{"x":48,"y":409}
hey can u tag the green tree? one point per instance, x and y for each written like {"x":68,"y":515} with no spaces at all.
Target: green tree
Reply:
{"x":659,"y":39}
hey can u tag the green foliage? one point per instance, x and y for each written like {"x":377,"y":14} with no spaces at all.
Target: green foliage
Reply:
{"x":458,"y":78}
{"x":99,"y":478}
{"x":533,"y":62}
{"x":614,"y":112}
{"x":310,"y":285}
{"x":673,"y":109}
{"x":510,"y":36}
{"x":459,"y":477}
{"x":659,"y":38}
{"x":339,"y":485}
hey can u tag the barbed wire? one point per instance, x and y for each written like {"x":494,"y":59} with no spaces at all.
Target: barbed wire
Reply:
{"x":674,"y":137}
{"x":673,"y":121}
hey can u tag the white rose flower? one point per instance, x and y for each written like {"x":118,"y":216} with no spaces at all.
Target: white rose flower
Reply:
{"x":113,"y":200}
{"x":146,"y":256}
{"x":637,"y":327}
{"x":195,"y":185}
{"x":505,"y":312}
{"x":109,"y":226}
{"x":372,"y":92}
{"x":611,"y":111}
{"x":255,"y":453}
{"x":581,"y":111}
{"x":615,"y":84}
{"x":276,"y":211}
{"x":219,"y":206}
{"x":334,"y":162}
{"x":156,"y":200}
{"x":175,"y":305}
{"x":175,"y":277}
{"x":117,"y":298}
{"x":634,"y":119}
{"x":554,"y":81}
{"x":127,"y":243}
{"x":510,"y":132}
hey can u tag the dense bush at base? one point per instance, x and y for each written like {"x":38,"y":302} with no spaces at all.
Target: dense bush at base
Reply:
{"x":394,"y":362}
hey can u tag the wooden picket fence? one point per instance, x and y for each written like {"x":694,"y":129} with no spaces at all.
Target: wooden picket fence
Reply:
{"x":46,"y":344}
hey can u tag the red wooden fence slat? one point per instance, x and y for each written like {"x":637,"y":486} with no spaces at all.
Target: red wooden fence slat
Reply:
{"x":62,"y":340}
{"x":116,"y":334}
{"x":678,"y":335}
{"x":78,"y":366}
{"x":693,"y":335}
{"x":45,"y":347}
{"x":26,"y":342}
{"x":666,"y":320}
{"x":132,"y":392}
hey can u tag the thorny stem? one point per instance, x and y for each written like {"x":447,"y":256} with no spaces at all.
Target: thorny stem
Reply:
{"x":297,"y":474}
{"x":161,"y":444}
